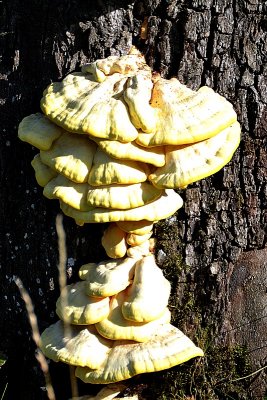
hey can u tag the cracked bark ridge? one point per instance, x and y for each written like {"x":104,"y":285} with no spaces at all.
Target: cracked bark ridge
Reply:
{"x":221,"y":43}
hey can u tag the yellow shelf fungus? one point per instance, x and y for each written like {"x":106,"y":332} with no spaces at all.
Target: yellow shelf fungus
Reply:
{"x":161,"y":208}
{"x":164,"y":129}
{"x":137,"y":227}
{"x":166,"y":348}
{"x":190,"y":163}
{"x":75,"y":307}
{"x":81,"y":105}
{"x":108,"y":277}
{"x":123,"y":197}
{"x":78,"y":345}
{"x":37,"y":130}
{"x":136,"y":347}
{"x":132,"y":151}
{"x":71,"y":156}
{"x":107,"y":170}
{"x":186,"y":116}
{"x":148,"y":295}
{"x":73,"y":194}
{"x":127,"y":64}
{"x":135,"y":240}
{"x":115,"y":140}
{"x":43,"y":174}
{"x":116,"y":327}
{"x":137,"y":96}
{"x":114,"y":241}
{"x":144,"y":249}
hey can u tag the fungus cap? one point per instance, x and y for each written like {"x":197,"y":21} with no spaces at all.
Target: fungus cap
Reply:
{"x":144,"y":249}
{"x":107,"y":170}
{"x":113,"y":241}
{"x":71,"y":156}
{"x":167,"y":348}
{"x":127,"y":64}
{"x":123,"y":197}
{"x":137,"y":95}
{"x":108,"y":277}
{"x":132,"y":151}
{"x":135,"y":240}
{"x":138,"y":227}
{"x":83,"y":346}
{"x":37,"y":130}
{"x":78,"y":308}
{"x":43,"y":174}
{"x":71,"y":193}
{"x":94,"y":69}
{"x":165,"y":206}
{"x":80,"y":104}
{"x":110,"y":120}
{"x":116,"y":327}
{"x":144,"y":301}
{"x":187,"y":164}
{"x":186,"y":116}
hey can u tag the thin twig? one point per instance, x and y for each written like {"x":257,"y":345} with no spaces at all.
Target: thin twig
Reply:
{"x":62,"y":250}
{"x":62,"y":279}
{"x":37,"y":338}
{"x":248,"y":376}
{"x":3,"y":394}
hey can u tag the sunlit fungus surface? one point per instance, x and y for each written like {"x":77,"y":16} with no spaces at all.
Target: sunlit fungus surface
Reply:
{"x":115,"y":140}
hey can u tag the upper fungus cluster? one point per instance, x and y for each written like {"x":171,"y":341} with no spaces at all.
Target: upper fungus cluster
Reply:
{"x":115,"y":140}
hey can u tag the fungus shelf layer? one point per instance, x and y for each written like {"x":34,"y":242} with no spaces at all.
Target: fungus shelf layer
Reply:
{"x":115,"y":140}
{"x":135,"y":330}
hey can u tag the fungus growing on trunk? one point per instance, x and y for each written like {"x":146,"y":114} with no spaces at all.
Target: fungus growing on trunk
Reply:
{"x":148,"y":295}
{"x":81,"y":346}
{"x":37,"y":130}
{"x":166,"y":348}
{"x":116,"y":327}
{"x":43,"y":174}
{"x":115,"y":141}
{"x":108,"y":277}
{"x":78,"y":308}
{"x":189,"y":163}
{"x":71,"y":156}
{"x":107,"y":170}
{"x":114,"y":241}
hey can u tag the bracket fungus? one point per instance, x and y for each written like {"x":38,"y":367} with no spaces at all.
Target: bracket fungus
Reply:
{"x":81,"y":345}
{"x":166,"y":348}
{"x":77,"y":308}
{"x":114,"y":241}
{"x":43,"y":174}
{"x":145,"y":302}
{"x":115,"y":141}
{"x":108,"y":170}
{"x":115,"y":326}
{"x":108,"y":277}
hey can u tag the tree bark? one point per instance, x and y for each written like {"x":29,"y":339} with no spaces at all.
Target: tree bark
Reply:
{"x":213,"y":251}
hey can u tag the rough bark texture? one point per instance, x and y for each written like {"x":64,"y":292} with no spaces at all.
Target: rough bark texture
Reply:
{"x":213,"y":251}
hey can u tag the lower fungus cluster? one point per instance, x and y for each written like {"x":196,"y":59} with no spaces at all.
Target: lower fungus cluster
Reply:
{"x":115,"y":141}
{"x":120,"y":323}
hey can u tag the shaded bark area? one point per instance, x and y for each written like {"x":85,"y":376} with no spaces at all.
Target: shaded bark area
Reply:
{"x":219,"y":43}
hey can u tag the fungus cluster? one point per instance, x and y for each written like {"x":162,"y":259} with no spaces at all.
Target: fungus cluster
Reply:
{"x":119,"y":322}
{"x":115,"y":140}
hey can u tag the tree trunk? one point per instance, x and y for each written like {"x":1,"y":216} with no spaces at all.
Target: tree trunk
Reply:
{"x":213,"y":250}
